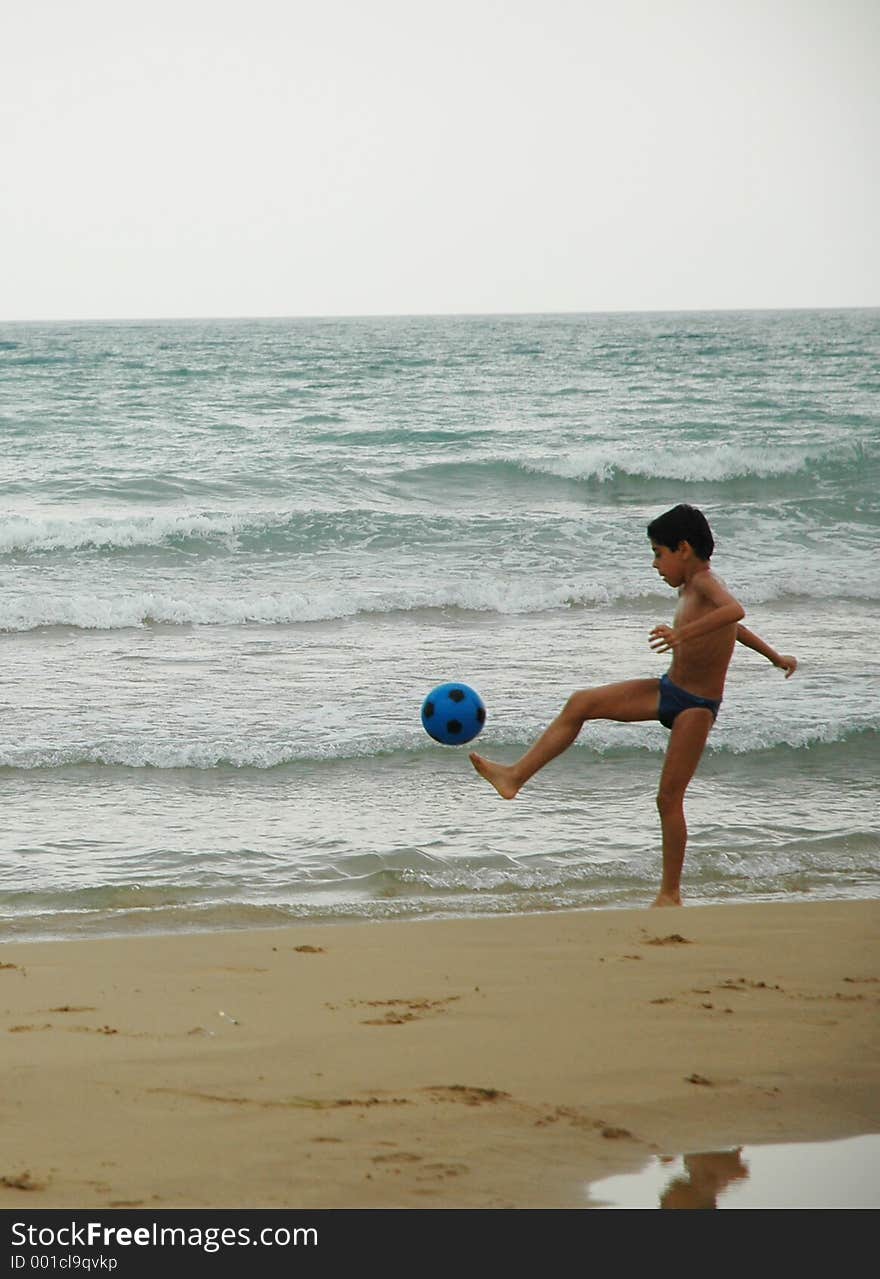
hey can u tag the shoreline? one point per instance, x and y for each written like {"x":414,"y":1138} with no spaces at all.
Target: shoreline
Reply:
{"x":477,"y":1062}
{"x":159,"y":931}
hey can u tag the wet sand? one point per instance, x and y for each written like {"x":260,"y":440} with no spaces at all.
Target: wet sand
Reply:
{"x":496,"y":1063}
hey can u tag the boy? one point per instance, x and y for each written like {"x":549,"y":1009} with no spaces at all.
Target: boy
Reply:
{"x":706,"y":626}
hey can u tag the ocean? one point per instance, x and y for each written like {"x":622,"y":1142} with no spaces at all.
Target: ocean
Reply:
{"x":235,"y":556}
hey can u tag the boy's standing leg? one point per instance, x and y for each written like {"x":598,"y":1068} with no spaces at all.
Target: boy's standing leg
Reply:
{"x":687,"y":738}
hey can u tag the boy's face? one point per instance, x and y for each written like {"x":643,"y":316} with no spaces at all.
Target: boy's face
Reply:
{"x":670,"y":564}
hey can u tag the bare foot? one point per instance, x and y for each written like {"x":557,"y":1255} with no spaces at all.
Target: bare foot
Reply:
{"x":498,"y":775}
{"x":667,"y":899}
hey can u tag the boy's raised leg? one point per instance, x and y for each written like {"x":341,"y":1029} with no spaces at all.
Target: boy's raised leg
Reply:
{"x":627,"y":702}
{"x":687,"y":738}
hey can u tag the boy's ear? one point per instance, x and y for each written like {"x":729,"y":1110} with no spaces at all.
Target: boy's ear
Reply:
{"x":685,"y":548}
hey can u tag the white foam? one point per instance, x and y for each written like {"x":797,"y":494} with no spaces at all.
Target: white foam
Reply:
{"x":689,"y":464}
{"x":597,"y":738}
{"x":100,"y":532}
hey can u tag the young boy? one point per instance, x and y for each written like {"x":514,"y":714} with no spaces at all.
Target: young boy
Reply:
{"x":706,"y":626}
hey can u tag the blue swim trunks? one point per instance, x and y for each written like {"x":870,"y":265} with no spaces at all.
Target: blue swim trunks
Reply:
{"x":674,"y":700}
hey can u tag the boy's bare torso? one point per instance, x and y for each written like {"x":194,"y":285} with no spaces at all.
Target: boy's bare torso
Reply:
{"x":700,"y":665}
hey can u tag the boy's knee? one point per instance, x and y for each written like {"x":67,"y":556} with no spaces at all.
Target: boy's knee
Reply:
{"x":577,"y":707}
{"x":669,"y":799}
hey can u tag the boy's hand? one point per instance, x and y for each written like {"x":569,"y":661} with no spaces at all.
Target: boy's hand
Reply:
{"x":787,"y":664}
{"x":662,"y":639}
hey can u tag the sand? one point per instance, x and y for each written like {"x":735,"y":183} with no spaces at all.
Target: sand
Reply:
{"x":479,"y":1063}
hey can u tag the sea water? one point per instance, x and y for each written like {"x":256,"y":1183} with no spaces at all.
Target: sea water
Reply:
{"x":236,"y":555}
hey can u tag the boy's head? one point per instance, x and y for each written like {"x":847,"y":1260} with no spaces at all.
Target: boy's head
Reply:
{"x":683,"y":524}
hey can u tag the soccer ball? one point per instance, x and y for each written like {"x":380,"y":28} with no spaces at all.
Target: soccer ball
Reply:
{"x":453,"y":714}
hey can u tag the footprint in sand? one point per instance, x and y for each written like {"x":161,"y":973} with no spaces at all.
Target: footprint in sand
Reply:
{"x":466,"y":1094}
{"x":437,"y":1172}
{"x":400,"y":1011}
{"x":22,"y":1181}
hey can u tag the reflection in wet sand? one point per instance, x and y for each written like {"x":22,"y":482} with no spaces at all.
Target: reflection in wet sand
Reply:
{"x":706,"y":1175}
{"x":829,"y":1174}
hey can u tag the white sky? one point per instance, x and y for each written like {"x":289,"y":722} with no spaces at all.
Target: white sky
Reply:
{"x":328,"y":157}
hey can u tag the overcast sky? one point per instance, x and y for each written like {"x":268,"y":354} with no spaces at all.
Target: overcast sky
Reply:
{"x":330,"y":157}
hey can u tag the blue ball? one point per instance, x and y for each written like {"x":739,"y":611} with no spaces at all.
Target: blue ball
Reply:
{"x":453,"y":714}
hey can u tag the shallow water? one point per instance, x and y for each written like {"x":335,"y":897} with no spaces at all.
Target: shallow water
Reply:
{"x":825,"y":1174}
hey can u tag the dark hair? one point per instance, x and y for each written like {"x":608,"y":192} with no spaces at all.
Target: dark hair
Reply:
{"x":683,"y":524}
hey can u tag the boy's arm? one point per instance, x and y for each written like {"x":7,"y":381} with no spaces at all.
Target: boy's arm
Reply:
{"x":753,"y":641}
{"x":725,"y":611}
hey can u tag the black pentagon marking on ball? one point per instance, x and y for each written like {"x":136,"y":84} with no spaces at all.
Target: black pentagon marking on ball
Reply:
{"x":428,"y":710}
{"x":454,"y":726}
{"x":481,"y":714}
{"x":456,"y":695}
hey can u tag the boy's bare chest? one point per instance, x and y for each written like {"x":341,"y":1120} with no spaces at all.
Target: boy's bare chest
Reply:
{"x":690,"y":606}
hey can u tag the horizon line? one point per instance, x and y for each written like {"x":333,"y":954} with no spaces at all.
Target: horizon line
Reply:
{"x":427,"y":315}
